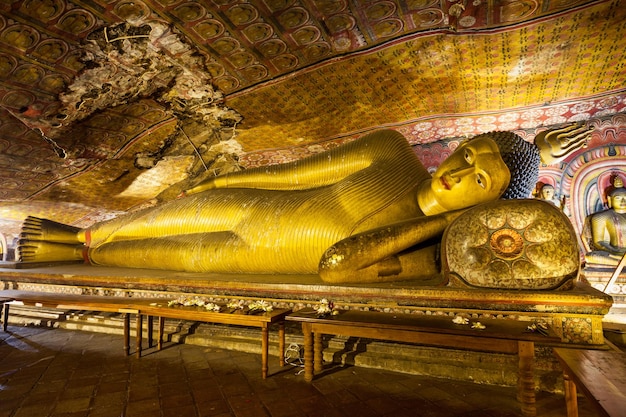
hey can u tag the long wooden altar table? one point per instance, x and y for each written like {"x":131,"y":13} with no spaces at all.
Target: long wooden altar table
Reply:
{"x":501,"y":336}
{"x":225,"y":316}
{"x":600,"y":375}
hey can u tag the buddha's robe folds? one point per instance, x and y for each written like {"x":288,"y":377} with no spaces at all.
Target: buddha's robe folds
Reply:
{"x":275,"y":219}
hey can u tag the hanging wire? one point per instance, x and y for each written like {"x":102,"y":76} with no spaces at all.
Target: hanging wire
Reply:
{"x":194,"y":148}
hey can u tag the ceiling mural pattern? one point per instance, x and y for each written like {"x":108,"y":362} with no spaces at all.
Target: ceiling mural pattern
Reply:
{"x":252,"y":42}
{"x":105,"y":104}
{"x":527,"y":67}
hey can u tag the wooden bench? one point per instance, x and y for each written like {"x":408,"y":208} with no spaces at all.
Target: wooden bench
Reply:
{"x":226,"y":316}
{"x":124,"y":305}
{"x":152,"y":308}
{"x":502,"y":336}
{"x":599,"y":374}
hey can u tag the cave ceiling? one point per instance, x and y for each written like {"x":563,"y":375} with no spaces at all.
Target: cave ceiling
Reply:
{"x":107,"y":106}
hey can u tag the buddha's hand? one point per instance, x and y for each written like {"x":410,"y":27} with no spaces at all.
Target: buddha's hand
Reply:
{"x":604,"y":245}
{"x":556,"y":144}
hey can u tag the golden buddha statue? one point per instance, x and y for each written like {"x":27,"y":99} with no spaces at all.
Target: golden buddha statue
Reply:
{"x":608,"y":229}
{"x":367,"y":211}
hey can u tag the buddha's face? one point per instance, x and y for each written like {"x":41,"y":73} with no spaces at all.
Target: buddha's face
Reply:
{"x":547,"y":192}
{"x":618,"y":201}
{"x":475,"y":173}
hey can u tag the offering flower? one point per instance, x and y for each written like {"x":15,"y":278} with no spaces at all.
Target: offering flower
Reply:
{"x":325,"y":307}
{"x":237,"y":305}
{"x":478,"y":325}
{"x":213,"y":307}
{"x":260,"y":305}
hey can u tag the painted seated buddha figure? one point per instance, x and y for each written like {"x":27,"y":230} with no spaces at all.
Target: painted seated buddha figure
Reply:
{"x":367,"y":211}
{"x":608,"y":230}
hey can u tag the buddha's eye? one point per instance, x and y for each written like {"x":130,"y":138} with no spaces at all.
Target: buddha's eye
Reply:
{"x":469,"y":156}
{"x":481,"y":181}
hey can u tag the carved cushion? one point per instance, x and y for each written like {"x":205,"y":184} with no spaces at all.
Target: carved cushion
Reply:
{"x":520,"y":244}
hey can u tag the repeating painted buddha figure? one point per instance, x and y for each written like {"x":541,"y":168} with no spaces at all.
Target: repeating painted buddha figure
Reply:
{"x":367,"y":211}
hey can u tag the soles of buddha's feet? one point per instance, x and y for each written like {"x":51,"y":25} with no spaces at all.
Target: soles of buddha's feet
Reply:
{"x":43,"y":240}
{"x":35,"y":228}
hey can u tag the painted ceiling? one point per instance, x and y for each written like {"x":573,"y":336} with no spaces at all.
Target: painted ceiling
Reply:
{"x":107,"y":106}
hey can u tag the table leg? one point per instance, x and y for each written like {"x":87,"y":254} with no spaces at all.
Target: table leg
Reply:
{"x":281,"y":343}
{"x":264,"y":349}
{"x":161,"y":328}
{"x":127,"y":333}
{"x":139,"y":334}
{"x":308,"y":351}
{"x":318,"y":361}
{"x":150,"y":324}
{"x":571,"y":400}
{"x":526,"y":378}
{"x":5,"y":316}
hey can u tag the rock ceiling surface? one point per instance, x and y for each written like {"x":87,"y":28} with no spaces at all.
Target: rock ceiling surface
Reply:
{"x":106,"y":106}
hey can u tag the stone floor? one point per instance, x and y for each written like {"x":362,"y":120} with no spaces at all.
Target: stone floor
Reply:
{"x":58,"y":372}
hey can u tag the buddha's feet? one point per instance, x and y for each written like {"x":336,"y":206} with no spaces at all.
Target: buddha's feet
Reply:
{"x":35,"y":228}
{"x":40,"y":251}
{"x":43,"y":240}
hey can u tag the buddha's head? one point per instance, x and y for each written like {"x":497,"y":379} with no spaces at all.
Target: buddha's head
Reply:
{"x":487,"y":167}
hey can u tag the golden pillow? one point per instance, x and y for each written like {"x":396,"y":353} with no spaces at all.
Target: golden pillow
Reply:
{"x":511,"y":244}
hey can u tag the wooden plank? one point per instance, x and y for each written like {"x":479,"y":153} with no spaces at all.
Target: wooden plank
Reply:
{"x":421,"y":336}
{"x":202,"y":314}
{"x":494,"y":328}
{"x":77,"y":302}
{"x":600,"y":375}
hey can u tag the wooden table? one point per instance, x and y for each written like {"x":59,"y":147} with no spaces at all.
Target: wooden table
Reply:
{"x":151,"y":307}
{"x":227,"y":316}
{"x":124,"y":305}
{"x":502,"y":336}
{"x":599,"y":374}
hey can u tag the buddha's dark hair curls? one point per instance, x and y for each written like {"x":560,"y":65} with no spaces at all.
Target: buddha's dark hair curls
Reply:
{"x":522,"y":158}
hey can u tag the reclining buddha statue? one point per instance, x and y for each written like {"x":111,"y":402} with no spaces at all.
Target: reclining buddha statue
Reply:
{"x":367,"y":211}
